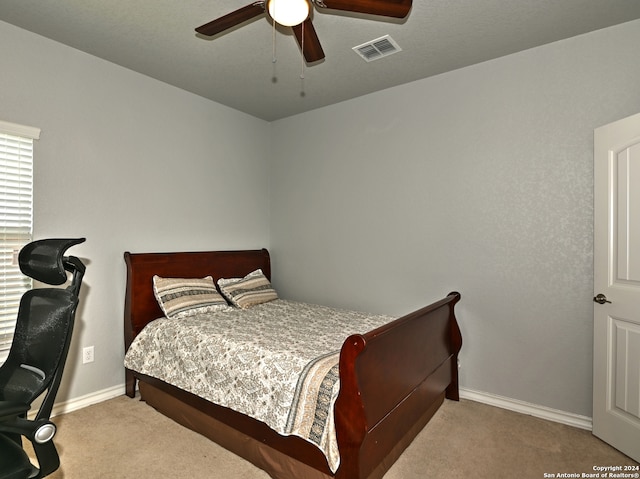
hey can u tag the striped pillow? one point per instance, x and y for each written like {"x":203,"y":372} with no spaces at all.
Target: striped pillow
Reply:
{"x":183,"y":297}
{"x":245,"y":292}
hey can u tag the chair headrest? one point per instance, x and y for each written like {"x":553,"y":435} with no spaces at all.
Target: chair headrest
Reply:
{"x":43,"y":260}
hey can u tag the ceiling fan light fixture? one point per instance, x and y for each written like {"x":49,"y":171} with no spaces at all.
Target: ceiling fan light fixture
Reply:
{"x":288,"y":12}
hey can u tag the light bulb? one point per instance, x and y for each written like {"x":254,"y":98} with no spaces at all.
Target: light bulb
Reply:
{"x":288,"y":12}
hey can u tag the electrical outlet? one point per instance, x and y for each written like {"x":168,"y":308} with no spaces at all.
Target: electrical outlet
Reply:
{"x":87,"y":355}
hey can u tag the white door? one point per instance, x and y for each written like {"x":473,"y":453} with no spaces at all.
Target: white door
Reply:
{"x":616,"y":322}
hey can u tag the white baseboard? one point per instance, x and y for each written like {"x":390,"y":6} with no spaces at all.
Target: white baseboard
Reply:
{"x":87,"y":400}
{"x":542,"y":412}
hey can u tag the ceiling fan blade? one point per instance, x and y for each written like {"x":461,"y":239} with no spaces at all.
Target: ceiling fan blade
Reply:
{"x":308,"y":41}
{"x":232,"y":19}
{"x":387,"y":8}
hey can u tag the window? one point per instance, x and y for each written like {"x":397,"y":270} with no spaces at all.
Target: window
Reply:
{"x":16,"y":199}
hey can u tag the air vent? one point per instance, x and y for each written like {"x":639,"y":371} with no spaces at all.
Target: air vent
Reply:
{"x":378,"y":48}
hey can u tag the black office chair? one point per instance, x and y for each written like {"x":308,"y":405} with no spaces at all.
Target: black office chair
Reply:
{"x":36,"y":359}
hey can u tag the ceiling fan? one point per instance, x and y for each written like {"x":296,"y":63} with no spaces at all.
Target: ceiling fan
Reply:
{"x":303,"y":30}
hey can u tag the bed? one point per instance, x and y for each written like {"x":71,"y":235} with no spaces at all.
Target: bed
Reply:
{"x":392,"y":379}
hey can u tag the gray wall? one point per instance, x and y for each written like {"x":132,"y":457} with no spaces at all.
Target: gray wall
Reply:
{"x":479,"y":180}
{"x":132,"y":164}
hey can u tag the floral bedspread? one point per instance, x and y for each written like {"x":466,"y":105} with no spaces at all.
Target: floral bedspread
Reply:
{"x":276,"y":362}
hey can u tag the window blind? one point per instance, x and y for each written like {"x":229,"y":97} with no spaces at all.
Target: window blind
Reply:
{"x":16,"y":214}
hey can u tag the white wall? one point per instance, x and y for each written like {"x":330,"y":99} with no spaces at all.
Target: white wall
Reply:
{"x":132,"y":164}
{"x":479,"y":180}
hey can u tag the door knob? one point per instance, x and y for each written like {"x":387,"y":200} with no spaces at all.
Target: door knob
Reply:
{"x":601,"y":299}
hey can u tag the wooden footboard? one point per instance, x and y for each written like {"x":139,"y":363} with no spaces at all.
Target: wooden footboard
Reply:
{"x":392,"y":379}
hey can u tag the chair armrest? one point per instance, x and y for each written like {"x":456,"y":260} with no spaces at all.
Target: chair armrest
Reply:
{"x":13,"y":420}
{"x":15,"y":461}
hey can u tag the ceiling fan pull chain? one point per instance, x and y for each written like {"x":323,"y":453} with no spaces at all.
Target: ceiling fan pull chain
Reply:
{"x":302,"y":93}
{"x":273,"y":51}
{"x":302,"y":56}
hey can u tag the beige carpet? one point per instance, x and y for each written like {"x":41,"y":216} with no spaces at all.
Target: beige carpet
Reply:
{"x":125,"y":438}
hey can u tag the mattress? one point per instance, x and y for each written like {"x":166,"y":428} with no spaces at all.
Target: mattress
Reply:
{"x":276,"y":362}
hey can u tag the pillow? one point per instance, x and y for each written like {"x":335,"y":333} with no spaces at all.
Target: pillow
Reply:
{"x":245,"y":292}
{"x":183,"y":297}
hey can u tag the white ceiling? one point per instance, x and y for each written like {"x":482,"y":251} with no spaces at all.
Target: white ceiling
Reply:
{"x":235,"y":68}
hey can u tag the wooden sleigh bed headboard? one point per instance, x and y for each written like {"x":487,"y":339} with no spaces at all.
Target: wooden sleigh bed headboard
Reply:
{"x":141,"y":306}
{"x":392,"y":379}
